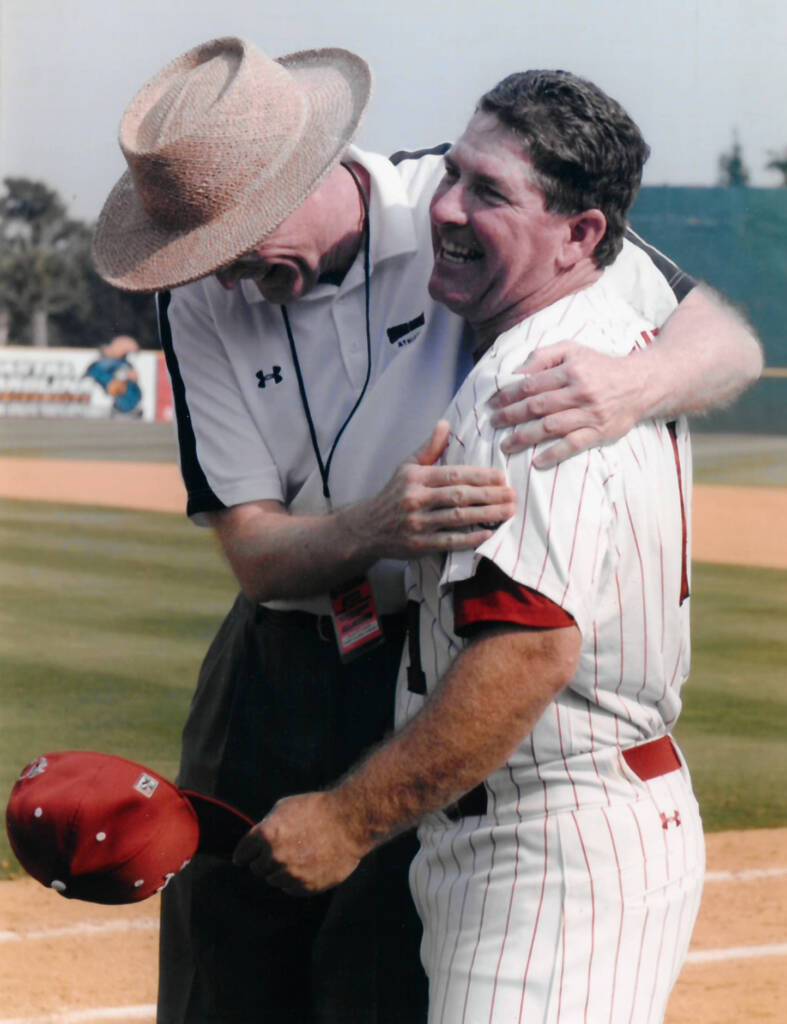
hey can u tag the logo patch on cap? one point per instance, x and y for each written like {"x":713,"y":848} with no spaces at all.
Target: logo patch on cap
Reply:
{"x":146,"y":785}
{"x":37,"y":767}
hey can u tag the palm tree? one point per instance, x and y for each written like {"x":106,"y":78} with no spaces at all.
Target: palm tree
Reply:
{"x":778,"y":162}
{"x":733,"y":173}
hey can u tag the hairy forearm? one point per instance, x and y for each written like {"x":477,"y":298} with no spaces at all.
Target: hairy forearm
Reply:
{"x":706,"y":354}
{"x":275,"y":555}
{"x":485,"y":705}
{"x":481,"y":710}
{"x":424,"y":508}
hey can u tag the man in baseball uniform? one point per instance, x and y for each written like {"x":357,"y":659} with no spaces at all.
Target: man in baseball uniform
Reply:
{"x":561,"y":852}
{"x":308,"y":360}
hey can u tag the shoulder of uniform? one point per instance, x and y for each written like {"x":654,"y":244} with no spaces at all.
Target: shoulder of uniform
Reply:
{"x":678,"y":280}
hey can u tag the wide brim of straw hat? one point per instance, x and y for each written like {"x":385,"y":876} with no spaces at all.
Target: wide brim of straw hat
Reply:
{"x":135,"y":253}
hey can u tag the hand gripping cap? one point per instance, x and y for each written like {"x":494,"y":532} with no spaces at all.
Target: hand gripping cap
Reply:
{"x":100,"y":828}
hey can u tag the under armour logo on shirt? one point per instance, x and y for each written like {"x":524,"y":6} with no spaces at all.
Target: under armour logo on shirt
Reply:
{"x":263,"y":377}
{"x":667,"y":819}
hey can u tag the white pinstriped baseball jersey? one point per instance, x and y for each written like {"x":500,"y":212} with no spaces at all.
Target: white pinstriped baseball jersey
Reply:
{"x":571,"y":882}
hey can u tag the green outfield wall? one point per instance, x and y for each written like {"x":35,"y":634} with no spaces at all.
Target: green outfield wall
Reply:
{"x":735,"y":239}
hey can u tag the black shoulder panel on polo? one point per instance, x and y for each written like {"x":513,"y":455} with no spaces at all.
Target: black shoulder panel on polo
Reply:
{"x":404,"y":154}
{"x":679,"y":281}
{"x":200,"y":496}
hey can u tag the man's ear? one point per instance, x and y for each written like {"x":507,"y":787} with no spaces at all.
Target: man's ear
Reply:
{"x":586,"y":230}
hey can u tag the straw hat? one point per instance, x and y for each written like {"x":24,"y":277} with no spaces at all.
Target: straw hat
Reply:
{"x":222,"y":145}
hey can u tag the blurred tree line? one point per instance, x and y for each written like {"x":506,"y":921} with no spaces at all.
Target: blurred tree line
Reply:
{"x":51,"y":295}
{"x":49,"y":292}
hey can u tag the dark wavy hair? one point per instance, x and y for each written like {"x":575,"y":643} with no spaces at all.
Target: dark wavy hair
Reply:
{"x":586,"y":151}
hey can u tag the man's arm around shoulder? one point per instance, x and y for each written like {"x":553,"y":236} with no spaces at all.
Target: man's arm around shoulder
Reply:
{"x":706,"y":354}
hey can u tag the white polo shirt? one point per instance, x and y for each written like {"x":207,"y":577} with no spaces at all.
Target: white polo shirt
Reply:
{"x":242,"y":428}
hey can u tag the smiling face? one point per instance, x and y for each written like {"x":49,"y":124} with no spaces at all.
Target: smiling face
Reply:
{"x":499,"y":254}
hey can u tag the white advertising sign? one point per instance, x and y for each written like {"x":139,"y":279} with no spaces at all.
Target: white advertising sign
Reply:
{"x":86,"y":383}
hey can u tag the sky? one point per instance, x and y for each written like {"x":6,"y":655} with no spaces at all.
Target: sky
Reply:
{"x":692,"y":73}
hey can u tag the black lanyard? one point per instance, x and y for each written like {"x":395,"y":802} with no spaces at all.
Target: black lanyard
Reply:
{"x":325,"y":467}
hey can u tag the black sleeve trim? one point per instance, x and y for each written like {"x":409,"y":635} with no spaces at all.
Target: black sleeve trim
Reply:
{"x":200,"y":495}
{"x":404,"y":154}
{"x":679,"y":281}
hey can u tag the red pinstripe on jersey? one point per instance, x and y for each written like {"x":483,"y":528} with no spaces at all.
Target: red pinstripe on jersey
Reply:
{"x":684,"y":562}
{"x":643,"y":597}
{"x":577,"y":522}
{"x":592,"y":914}
{"x":541,"y":895}
{"x":644,"y":856}
{"x":549,"y":531}
{"x":620,"y":914}
{"x":619,"y":596}
{"x":506,"y":927}
{"x":480,"y":929}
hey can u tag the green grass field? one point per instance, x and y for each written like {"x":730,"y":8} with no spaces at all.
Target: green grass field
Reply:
{"x":105,"y":616}
{"x":733,"y":727}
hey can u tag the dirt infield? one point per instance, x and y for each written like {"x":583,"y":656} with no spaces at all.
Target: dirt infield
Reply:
{"x":69,"y":962}
{"x":732,"y":525}
{"x":156,"y":487}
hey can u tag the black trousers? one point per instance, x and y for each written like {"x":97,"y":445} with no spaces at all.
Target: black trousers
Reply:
{"x":275,"y":713}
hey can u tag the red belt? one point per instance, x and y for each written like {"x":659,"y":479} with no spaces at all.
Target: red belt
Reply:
{"x":650,"y":760}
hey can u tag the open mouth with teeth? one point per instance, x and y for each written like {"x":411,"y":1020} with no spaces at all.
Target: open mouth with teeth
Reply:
{"x":451,"y":252}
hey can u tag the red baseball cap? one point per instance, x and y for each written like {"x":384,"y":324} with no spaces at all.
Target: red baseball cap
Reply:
{"x":100,"y":828}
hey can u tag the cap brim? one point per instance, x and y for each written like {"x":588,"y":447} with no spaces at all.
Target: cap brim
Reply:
{"x":221,"y":827}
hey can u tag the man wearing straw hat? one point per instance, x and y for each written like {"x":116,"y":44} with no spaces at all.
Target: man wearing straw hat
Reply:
{"x":307,"y":360}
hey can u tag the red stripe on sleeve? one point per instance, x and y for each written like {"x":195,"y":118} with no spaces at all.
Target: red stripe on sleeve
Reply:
{"x":490,"y":597}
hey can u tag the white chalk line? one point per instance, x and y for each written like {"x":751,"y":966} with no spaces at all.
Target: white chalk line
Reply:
{"x":78,"y":1016}
{"x":705,"y":956}
{"x":85,"y":928}
{"x":744,"y":876}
